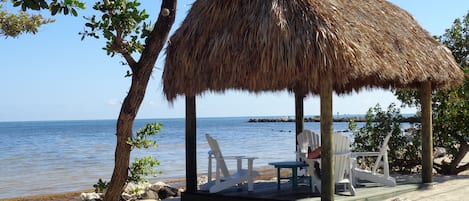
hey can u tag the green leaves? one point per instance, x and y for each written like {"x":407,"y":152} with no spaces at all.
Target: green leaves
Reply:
{"x":142,"y":168}
{"x":12,"y":25}
{"x":100,"y":186}
{"x":121,"y":23}
{"x":145,"y":166}
{"x":379,"y":123}
{"x":450,"y":106}
{"x":54,"y":6}
{"x":141,"y":141}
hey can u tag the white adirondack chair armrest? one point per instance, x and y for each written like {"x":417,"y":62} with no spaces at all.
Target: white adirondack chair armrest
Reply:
{"x":233,"y":157}
{"x":336,"y":154}
{"x":239,"y":163}
{"x":342,"y":153}
{"x":363,"y":154}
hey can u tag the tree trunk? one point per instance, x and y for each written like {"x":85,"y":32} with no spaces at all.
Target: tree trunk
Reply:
{"x":452,"y":167}
{"x":455,"y":168}
{"x":141,"y":75}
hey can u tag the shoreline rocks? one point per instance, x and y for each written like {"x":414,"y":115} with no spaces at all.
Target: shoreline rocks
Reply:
{"x":141,"y":191}
{"x":412,"y":119}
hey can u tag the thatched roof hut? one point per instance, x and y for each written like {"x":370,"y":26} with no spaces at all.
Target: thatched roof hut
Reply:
{"x":306,"y":47}
{"x":275,"y":45}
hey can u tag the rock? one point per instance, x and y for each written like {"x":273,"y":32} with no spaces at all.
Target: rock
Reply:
{"x":168,"y":191}
{"x":164,"y":190}
{"x":139,"y":192}
{"x":439,"y":152}
{"x":149,"y":194}
{"x":91,"y":196}
{"x":157,"y":186}
{"x":128,"y":197}
{"x":202,"y":180}
{"x":133,"y":188}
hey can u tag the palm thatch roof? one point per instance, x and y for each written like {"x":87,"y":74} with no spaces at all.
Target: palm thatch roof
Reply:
{"x":272,"y":45}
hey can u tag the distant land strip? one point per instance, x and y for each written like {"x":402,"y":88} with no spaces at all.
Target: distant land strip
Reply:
{"x":412,"y":119}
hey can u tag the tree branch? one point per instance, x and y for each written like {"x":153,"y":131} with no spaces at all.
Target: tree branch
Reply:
{"x":120,"y":46}
{"x":463,"y":149}
{"x":158,"y":36}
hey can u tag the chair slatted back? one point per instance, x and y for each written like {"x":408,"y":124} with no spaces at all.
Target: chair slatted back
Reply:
{"x":342,"y":157}
{"x":215,"y":148}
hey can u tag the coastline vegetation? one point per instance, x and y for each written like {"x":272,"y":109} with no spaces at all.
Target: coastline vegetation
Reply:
{"x":141,"y":168}
{"x":450,"y":106}
{"x":405,"y":156}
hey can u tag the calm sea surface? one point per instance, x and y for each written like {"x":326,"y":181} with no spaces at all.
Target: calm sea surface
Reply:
{"x":60,"y":156}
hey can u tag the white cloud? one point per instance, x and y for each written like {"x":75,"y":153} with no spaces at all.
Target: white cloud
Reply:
{"x":113,"y":101}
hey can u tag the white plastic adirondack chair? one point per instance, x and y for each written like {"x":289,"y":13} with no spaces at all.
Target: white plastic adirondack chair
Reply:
{"x":382,"y":160}
{"x":223,"y":178}
{"x":342,"y":165}
{"x":306,"y":140}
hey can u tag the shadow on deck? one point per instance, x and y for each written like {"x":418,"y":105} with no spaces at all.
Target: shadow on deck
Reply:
{"x":267,"y":190}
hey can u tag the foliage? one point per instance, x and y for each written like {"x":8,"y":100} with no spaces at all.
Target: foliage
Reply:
{"x":145,"y":166}
{"x":141,"y":141}
{"x":100,"y":186}
{"x":14,"y":24}
{"x":121,"y":23}
{"x":135,"y":191}
{"x":379,"y":123}
{"x":66,"y":6}
{"x":141,"y":168}
{"x":450,"y":107}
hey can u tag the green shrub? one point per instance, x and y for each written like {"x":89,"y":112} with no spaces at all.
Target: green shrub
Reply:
{"x":141,"y":168}
{"x":404,"y":151}
{"x":100,"y":186}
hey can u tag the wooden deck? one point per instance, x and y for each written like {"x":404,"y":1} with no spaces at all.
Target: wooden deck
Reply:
{"x":267,"y":190}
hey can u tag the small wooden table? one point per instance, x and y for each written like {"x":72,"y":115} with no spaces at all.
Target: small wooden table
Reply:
{"x":294,"y":165}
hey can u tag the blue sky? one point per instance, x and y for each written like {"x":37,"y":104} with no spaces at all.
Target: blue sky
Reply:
{"x":53,"y":75}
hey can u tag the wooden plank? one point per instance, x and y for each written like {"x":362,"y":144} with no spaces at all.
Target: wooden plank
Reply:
{"x":191,"y":145}
{"x":427,"y":133}
{"x":327,"y":142}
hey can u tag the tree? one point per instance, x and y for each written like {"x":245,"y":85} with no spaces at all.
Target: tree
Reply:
{"x":14,"y":24}
{"x":379,"y":123}
{"x":450,"y":107}
{"x":123,"y":25}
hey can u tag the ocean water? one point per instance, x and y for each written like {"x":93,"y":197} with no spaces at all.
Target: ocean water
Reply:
{"x":60,"y":156}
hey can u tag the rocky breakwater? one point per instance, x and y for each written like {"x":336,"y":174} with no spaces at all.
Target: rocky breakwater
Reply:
{"x":411,"y":119}
{"x":307,"y":119}
{"x":143,"y":191}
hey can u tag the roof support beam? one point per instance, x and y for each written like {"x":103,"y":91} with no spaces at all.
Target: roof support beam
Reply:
{"x":327,"y":142}
{"x":299,"y":115}
{"x":191,"y":145}
{"x":427,"y":133}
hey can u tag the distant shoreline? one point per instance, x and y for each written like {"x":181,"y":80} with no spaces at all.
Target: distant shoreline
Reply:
{"x":411,"y":119}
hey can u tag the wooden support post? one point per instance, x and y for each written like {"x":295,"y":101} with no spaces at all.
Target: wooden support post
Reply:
{"x":327,"y":142}
{"x":427,"y":133}
{"x":299,"y":115}
{"x":191,"y":145}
